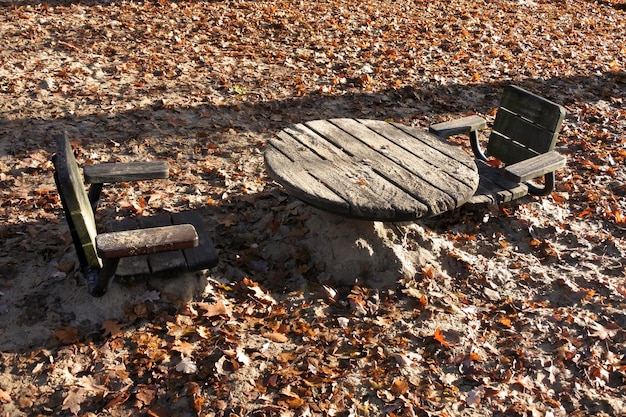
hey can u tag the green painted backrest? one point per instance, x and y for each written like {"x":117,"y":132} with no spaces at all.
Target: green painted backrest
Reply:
{"x":75,"y":201}
{"x":526,"y":125}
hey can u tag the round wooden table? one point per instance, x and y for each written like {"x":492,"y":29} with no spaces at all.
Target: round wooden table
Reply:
{"x":370,"y":169}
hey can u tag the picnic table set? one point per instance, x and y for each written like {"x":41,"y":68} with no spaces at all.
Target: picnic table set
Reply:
{"x":359,"y":168}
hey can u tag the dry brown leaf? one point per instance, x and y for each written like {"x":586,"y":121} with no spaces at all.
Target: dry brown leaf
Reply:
{"x":216,"y":309}
{"x":5,"y":397}
{"x":73,"y":400}
{"x":601,"y":331}
{"x":111,"y":327}
{"x":67,"y":335}
{"x":89,"y":383}
{"x":146,"y":395}
{"x":185,"y":348}
{"x":439,"y":337}
{"x":399,"y":386}
{"x":276,"y":337}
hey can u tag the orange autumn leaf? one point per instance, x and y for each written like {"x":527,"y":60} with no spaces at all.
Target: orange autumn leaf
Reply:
{"x":439,"y":337}
{"x":505,"y":322}
{"x":588,"y":212}
{"x":619,"y":217}
{"x":496,"y":163}
{"x":197,"y":404}
{"x":399,"y":386}
{"x":294,"y":402}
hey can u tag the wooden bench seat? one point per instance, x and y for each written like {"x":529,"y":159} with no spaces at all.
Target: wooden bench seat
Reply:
{"x":522,"y":138}
{"x":160,"y":245}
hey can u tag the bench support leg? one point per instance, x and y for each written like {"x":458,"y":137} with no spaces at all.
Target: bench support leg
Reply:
{"x":94,"y":195}
{"x":547,"y":187}
{"x":98,"y":282}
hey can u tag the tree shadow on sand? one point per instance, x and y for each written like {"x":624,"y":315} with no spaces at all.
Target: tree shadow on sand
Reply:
{"x":260,"y":231}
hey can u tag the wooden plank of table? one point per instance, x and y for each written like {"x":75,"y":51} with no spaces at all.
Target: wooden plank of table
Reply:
{"x":359,"y":181}
{"x":362,"y":191}
{"x":438,"y":152}
{"x":456,"y":178}
{"x":432,"y":197}
{"x":355,"y":179}
{"x":301,"y":183}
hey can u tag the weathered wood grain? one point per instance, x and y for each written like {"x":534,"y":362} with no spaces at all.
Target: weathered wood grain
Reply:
{"x":535,"y":167}
{"x":127,"y":171}
{"x":145,"y":241}
{"x":371,"y":169}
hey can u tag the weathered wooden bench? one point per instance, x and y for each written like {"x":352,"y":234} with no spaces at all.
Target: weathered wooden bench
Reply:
{"x":522,"y":138}
{"x":161,"y":245}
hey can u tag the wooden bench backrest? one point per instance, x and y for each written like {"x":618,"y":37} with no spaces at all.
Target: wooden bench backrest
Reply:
{"x":75,"y":202}
{"x":526,"y":125}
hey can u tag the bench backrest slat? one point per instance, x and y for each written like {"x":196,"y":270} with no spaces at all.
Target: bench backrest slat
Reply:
{"x":526,"y":125}
{"x":76,"y":204}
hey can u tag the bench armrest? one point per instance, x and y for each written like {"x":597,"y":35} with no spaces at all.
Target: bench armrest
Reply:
{"x":534,"y":167}
{"x":126,"y":171}
{"x":464,"y":125}
{"x":146,"y":241}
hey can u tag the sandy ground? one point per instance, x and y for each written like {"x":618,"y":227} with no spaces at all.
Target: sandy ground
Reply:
{"x":513,"y":310}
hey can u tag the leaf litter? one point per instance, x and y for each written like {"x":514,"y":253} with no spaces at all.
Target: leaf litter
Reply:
{"x":513,"y":310}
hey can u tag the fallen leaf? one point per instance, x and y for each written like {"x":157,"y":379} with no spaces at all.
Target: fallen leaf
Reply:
{"x":475,"y":395}
{"x":230,"y":220}
{"x":185,"y":348}
{"x":117,"y":399}
{"x":187,"y":366}
{"x":146,"y":395}
{"x":67,"y":335}
{"x":399,"y":386}
{"x":111,"y":327}
{"x":73,"y":400}
{"x":5,"y":397}
{"x":216,"y":309}
{"x":439,"y":337}
{"x":601,"y":331}
{"x":276,"y":337}
{"x":89,"y":383}
{"x":506,"y":322}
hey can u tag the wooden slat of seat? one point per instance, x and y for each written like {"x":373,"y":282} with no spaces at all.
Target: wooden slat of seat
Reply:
{"x":494,"y":188}
{"x":75,"y":202}
{"x":133,"y":266}
{"x":506,"y":150}
{"x":145,"y":241}
{"x":463,"y":125}
{"x":128,"y":171}
{"x":204,"y":255}
{"x":535,"y":167}
{"x":172,"y":261}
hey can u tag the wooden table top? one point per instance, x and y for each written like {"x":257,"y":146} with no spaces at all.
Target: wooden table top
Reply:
{"x":370,"y":169}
